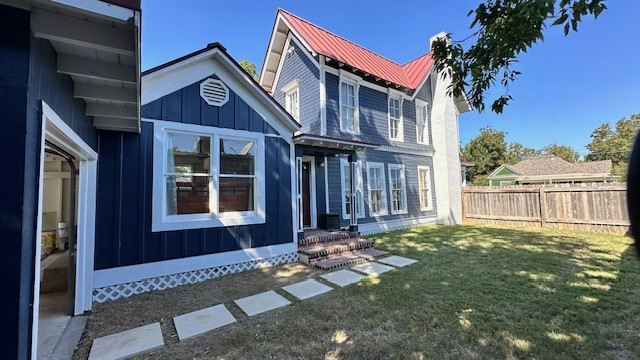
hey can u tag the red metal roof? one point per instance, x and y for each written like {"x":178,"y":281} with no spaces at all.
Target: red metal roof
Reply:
{"x":340,"y":49}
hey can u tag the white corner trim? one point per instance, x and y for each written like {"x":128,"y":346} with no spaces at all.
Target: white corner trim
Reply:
{"x":323,"y":103}
{"x":126,"y":274}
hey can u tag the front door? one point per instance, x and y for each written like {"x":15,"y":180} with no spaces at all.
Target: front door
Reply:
{"x":306,"y":194}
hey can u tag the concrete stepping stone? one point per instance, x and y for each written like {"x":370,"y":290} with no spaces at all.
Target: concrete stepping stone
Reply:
{"x":307,"y":289}
{"x":257,"y":304}
{"x":127,"y":343}
{"x":342,"y":278}
{"x":397,"y":261}
{"x":372,"y":268}
{"x":202,"y":321}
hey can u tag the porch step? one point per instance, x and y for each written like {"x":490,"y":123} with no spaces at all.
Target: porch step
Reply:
{"x":317,"y":250}
{"x":327,"y":237}
{"x":348,"y":258}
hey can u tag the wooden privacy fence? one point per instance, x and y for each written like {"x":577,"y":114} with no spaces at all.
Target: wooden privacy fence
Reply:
{"x":589,"y":207}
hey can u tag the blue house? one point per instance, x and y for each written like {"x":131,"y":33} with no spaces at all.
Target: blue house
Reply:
{"x":378,"y":144}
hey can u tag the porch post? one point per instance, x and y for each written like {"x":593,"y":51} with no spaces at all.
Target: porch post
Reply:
{"x":353,"y":218}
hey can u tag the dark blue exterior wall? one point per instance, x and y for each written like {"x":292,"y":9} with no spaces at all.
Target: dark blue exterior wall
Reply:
{"x":298,"y":66}
{"x":27,"y":76}
{"x":410,"y":162}
{"x":374,"y":120}
{"x":123,"y":229}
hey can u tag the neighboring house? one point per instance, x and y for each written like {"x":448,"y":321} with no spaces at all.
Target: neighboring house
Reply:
{"x":68,"y":71}
{"x":551,"y":169}
{"x":379,"y":143}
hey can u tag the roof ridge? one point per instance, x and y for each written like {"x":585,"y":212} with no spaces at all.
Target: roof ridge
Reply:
{"x":421,"y":56}
{"x":338,"y":36}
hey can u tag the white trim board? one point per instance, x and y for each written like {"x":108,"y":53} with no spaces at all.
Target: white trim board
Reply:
{"x":127,"y":274}
{"x":56,"y":130}
{"x":313,"y":195}
{"x":389,"y":225}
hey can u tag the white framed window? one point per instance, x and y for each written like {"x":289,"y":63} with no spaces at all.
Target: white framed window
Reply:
{"x":349,"y":118}
{"x":505,"y":183}
{"x":292,"y":99}
{"x":397,"y":189}
{"x":422,"y":129}
{"x":395,"y":119}
{"x":345,"y":175}
{"x":424,"y":188}
{"x":206,"y":177}
{"x":377,"y":189}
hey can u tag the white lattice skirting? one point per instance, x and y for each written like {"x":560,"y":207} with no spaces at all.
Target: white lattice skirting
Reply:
{"x":113,"y":292}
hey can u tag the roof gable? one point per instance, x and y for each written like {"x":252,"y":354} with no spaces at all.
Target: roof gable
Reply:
{"x":320,"y":41}
{"x":214,"y":60}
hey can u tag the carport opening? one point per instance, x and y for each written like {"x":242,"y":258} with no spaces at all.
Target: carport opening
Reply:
{"x":58,"y":246}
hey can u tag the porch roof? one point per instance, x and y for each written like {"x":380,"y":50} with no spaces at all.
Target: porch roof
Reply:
{"x":332,"y":143}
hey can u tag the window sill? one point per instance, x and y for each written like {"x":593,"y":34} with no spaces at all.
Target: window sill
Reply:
{"x":397,"y":140}
{"x":204,"y":223}
{"x":350,"y":132}
{"x":379,"y":214}
{"x":399,"y":212}
{"x":426,"y":209}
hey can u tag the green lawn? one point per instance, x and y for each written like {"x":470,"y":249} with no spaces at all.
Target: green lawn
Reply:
{"x":476,"y":292}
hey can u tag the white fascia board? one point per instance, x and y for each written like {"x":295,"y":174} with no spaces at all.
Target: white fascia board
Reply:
{"x":290,"y":38}
{"x":177,"y":76}
{"x":101,"y":8}
{"x":495,"y":171}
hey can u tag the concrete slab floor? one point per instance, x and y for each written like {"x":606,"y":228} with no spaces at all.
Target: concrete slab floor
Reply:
{"x":202,"y":321}
{"x":372,"y":268}
{"x":128,"y":343}
{"x":257,"y":304}
{"x":52,"y":322}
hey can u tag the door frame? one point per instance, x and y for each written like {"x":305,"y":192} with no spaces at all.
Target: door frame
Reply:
{"x":312,"y":192}
{"x":57,"y":131}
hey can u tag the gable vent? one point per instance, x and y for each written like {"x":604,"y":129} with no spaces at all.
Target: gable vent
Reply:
{"x":214,"y":92}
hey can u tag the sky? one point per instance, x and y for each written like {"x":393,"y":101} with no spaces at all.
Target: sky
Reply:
{"x":568,"y":87}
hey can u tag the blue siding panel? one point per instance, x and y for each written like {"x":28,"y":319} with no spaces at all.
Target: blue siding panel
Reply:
{"x":124,"y":214}
{"x":298,"y":66}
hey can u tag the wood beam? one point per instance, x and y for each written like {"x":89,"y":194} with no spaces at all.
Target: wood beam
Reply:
{"x":113,"y":111}
{"x":96,"y":69}
{"x":118,"y":124}
{"x":70,"y":30}
{"x":97,"y":92}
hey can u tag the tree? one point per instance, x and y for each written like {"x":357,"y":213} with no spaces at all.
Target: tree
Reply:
{"x":503,"y":30}
{"x":516,"y":152}
{"x":562,"y":151}
{"x":487,"y":150}
{"x":613,"y":144}
{"x":249,"y":67}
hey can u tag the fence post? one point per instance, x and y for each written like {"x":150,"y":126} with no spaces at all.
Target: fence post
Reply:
{"x":543,"y":207}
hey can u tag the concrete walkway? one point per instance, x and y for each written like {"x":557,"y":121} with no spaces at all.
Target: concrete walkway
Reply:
{"x":147,"y":338}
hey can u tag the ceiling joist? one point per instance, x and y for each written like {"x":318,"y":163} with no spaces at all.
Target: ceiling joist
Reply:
{"x":96,"y":92}
{"x":114,"y":111}
{"x":96,"y":69}
{"x":75,"y":31}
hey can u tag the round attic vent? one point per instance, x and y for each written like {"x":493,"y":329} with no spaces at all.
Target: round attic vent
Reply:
{"x":214,"y":92}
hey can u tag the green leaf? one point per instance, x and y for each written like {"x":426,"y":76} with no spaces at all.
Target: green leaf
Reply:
{"x":561,"y":19}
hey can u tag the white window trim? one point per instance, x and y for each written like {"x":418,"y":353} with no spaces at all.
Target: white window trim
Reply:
{"x":404,"y":187}
{"x":290,"y":88}
{"x":372,"y":165}
{"x":429,"y":206}
{"x":400,"y":99}
{"x":420,"y":103}
{"x":505,"y":183}
{"x":356,"y":117}
{"x":359,"y":189}
{"x":163,"y":222}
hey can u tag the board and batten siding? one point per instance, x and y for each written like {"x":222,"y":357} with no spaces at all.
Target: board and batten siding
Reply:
{"x":125,"y":186}
{"x":410,"y":162}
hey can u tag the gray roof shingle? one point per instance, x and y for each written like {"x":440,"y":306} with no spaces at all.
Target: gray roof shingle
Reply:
{"x":553,"y":165}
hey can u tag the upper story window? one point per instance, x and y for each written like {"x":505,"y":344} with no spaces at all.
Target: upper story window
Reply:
{"x":422,"y":130}
{"x":424,"y":188}
{"x":398,"y":189}
{"x":377,"y":189}
{"x":345,"y":172}
{"x":349,"y":107}
{"x":206,"y":177}
{"x":292,"y":99}
{"x":395,"y":119}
